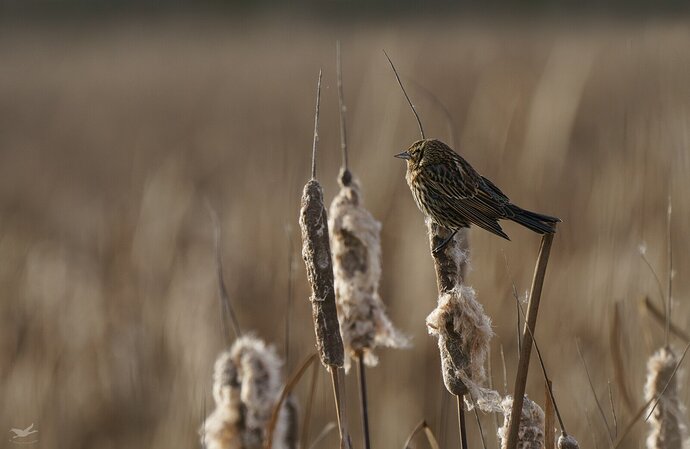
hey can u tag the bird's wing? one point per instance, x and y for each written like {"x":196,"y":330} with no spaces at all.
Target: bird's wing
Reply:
{"x":495,"y":190}
{"x":470,"y":195}
{"x":29,"y":428}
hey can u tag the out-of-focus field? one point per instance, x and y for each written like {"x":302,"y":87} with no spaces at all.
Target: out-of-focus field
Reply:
{"x":114,"y":134}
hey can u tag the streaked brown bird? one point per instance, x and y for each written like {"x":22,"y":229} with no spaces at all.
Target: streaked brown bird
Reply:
{"x":451,"y":193}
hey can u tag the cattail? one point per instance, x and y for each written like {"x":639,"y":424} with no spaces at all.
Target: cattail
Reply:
{"x":316,"y":252}
{"x":668,"y":429}
{"x":567,"y":442}
{"x":288,"y":424}
{"x":356,"y":243}
{"x":459,"y":322}
{"x":246,"y":386}
{"x":531,"y":430}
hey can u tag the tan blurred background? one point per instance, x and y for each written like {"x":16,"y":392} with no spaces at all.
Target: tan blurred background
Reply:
{"x":115,"y":131}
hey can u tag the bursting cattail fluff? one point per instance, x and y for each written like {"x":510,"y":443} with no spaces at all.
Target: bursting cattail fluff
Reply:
{"x":246,"y":386}
{"x":668,"y":429}
{"x":356,"y":245}
{"x":463,"y":332}
{"x":531,"y":430}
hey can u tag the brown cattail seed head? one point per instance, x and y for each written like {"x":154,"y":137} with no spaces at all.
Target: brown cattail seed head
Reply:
{"x":356,"y":243}
{"x":668,"y":429}
{"x":316,"y":253}
{"x":531,"y":430}
{"x":246,"y":386}
{"x":567,"y":442}
{"x":451,"y":263}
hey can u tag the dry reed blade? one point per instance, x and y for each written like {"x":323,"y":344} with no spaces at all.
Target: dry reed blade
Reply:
{"x":631,"y":424}
{"x":288,"y":306}
{"x":227,"y":312}
{"x":530,"y":326}
{"x":328,"y":428}
{"x":591,"y":387}
{"x":616,"y":343}
{"x":613,"y":411}
{"x":287,"y":389}
{"x":479,"y":427}
{"x":669,"y":297}
{"x":310,"y":403}
{"x":517,"y":305}
{"x":491,"y":386}
{"x":505,"y":371}
{"x":643,"y":254}
{"x":433,"y":443}
{"x":418,"y":428}
{"x":591,"y":429}
{"x":659,"y":317}
{"x":422,"y":426}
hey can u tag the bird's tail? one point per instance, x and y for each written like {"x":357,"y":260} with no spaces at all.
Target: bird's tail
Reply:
{"x":539,"y":223}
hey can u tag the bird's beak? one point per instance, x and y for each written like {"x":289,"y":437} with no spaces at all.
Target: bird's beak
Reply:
{"x":404,"y":155}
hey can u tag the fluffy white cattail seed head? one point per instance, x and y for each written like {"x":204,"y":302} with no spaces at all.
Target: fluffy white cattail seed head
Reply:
{"x":246,"y":386}
{"x":667,"y":422}
{"x":356,"y":246}
{"x":531,"y":430}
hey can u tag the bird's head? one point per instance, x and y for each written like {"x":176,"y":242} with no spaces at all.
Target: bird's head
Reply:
{"x":423,"y":151}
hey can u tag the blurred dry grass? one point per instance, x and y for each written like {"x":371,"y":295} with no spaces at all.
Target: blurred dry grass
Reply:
{"x":113,"y":134}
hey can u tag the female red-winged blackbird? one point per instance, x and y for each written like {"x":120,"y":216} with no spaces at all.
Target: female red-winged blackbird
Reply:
{"x":449,"y":191}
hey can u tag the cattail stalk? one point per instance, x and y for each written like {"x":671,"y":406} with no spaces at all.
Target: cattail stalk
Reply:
{"x":549,"y":418}
{"x":526,"y":350}
{"x":316,"y":253}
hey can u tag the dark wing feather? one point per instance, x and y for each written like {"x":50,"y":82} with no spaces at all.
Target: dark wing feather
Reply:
{"x":469,"y":194}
